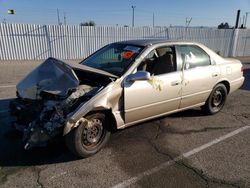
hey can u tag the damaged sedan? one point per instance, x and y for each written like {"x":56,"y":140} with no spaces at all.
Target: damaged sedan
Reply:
{"x":120,"y":85}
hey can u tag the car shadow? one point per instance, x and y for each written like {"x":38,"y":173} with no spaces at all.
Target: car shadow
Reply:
{"x":11,"y":145}
{"x":246,"y":84}
{"x":12,"y":151}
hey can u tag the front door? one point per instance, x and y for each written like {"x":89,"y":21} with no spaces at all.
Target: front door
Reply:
{"x":144,"y":99}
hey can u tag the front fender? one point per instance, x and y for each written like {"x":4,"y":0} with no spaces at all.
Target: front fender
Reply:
{"x":106,"y":99}
{"x":71,"y":123}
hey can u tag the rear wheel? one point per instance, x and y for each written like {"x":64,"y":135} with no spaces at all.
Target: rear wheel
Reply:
{"x":88,"y":138}
{"x":216,"y":100}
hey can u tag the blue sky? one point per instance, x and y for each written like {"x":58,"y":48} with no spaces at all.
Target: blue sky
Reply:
{"x":112,"y":12}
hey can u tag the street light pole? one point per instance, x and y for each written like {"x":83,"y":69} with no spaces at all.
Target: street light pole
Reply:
{"x":133,"y":16}
{"x":246,"y":19}
{"x":153,"y":20}
{"x":58,"y":17}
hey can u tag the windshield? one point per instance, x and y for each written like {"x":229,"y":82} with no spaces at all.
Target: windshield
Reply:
{"x":114,"y":58}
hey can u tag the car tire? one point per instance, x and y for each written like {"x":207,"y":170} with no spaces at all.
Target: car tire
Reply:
{"x":216,"y":100}
{"x":85,"y":141}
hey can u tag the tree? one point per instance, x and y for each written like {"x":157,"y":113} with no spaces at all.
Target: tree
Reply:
{"x":224,"y":26}
{"x":90,"y":23}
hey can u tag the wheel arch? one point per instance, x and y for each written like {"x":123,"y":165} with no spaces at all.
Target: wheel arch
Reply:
{"x":70,"y":125}
{"x":226,"y":83}
{"x":208,"y":108}
{"x":108,"y":112}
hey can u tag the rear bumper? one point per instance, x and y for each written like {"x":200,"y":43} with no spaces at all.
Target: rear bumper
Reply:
{"x":236,"y":84}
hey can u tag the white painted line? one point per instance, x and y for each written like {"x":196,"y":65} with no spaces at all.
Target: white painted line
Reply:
{"x":151,"y":171}
{"x":7,"y":86}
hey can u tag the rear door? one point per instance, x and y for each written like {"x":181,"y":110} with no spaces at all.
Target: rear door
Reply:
{"x":199,"y":75}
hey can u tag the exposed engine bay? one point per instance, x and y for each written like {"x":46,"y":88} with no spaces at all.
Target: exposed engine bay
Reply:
{"x":48,"y":94}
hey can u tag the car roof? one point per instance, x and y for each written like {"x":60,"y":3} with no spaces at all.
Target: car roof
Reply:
{"x":151,"y":42}
{"x":148,"y":42}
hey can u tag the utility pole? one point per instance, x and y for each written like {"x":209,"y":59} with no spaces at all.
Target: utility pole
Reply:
{"x":188,"y":21}
{"x":246,"y":19}
{"x":153,"y":20}
{"x":58,"y":17}
{"x":237,"y":19}
{"x":133,"y":16}
{"x":64,"y":17}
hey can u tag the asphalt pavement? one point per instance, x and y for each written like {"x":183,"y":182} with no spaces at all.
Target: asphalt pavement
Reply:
{"x":187,"y":149}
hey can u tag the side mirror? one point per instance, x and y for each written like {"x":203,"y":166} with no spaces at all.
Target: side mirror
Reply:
{"x":140,"y":75}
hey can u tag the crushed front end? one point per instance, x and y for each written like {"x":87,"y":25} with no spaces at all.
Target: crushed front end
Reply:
{"x":44,"y":99}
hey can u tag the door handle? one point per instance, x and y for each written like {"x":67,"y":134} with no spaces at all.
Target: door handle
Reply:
{"x":175,"y":83}
{"x":215,"y":74}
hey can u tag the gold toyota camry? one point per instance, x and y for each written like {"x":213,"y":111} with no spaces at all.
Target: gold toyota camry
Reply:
{"x":120,"y":85}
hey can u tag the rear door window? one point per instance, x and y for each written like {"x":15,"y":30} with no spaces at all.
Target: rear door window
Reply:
{"x":193,"y":56}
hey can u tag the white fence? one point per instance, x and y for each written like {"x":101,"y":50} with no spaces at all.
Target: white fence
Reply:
{"x":29,"y":42}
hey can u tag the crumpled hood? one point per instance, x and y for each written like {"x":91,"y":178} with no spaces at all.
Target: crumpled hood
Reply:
{"x":52,"y":76}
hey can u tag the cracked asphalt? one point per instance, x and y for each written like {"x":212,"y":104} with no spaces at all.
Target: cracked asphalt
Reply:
{"x":134,"y":150}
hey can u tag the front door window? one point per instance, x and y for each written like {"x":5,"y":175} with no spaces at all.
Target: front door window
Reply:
{"x":159,"y":61}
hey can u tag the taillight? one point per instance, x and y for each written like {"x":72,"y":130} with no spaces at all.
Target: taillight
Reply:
{"x":242,"y":69}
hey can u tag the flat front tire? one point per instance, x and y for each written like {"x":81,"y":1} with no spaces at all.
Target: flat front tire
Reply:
{"x":88,"y":138}
{"x":216,"y":100}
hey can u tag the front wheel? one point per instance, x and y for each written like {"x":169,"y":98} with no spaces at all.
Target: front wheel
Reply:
{"x":88,"y":138}
{"x":216,"y":100}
